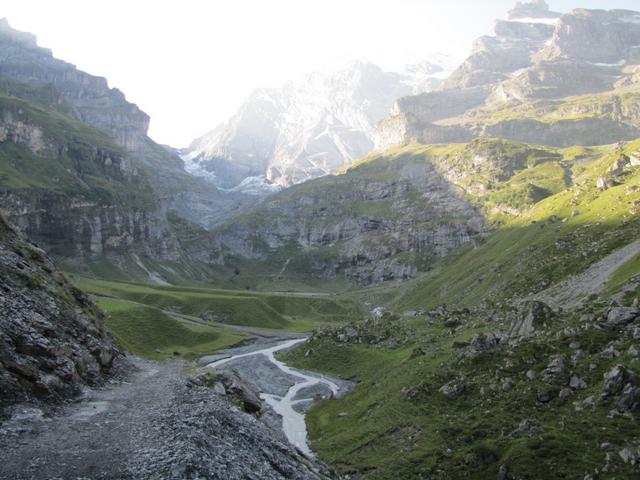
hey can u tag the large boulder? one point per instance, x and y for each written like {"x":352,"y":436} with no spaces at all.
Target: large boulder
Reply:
{"x":621,"y":386}
{"x":529,"y":317}
{"x":620,"y":316}
{"x":556,"y":372}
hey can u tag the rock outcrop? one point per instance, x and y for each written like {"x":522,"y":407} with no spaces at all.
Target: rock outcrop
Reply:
{"x":52,"y":340}
{"x":531,"y":69}
{"x":384,"y":220}
{"x":87,"y":98}
{"x":78,"y":173}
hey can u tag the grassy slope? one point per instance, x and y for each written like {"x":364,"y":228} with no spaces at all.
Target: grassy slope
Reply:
{"x":574,"y":108}
{"x":252,"y":309}
{"x":75,"y":171}
{"x":518,"y":176}
{"x":396,"y":424}
{"x":148,"y":332}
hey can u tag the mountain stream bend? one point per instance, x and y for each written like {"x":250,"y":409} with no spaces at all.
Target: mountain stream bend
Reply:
{"x":290,"y":392}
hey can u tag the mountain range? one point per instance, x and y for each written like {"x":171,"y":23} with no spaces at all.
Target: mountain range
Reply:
{"x":459,"y":245}
{"x":308,"y":128}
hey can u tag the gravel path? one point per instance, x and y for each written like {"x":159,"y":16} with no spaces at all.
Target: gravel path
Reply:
{"x":93,"y":438}
{"x":572,"y":292}
{"x":154,"y":426}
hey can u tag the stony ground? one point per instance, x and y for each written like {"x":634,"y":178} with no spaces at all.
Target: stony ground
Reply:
{"x":154,"y":425}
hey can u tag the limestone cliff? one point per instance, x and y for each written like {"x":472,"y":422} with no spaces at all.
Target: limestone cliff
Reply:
{"x":521,"y":84}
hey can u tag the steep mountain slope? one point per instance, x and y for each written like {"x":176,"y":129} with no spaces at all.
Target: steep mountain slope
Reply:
{"x":79,"y":175}
{"x":52,"y":340}
{"x":307,"y":128}
{"x":556,"y":81}
{"x":469,"y":375}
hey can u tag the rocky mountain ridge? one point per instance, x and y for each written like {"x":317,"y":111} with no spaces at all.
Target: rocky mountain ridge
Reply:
{"x":307,"y":128}
{"x":79,"y":175}
{"x":536,"y":60}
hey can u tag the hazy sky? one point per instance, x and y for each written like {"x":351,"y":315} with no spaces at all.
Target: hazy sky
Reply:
{"x":190,"y":63}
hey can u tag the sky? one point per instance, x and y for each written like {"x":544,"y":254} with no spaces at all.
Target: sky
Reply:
{"x":190,"y":63}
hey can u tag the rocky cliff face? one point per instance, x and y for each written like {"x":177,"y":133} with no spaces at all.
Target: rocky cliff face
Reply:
{"x":78,"y":173}
{"x":89,"y":98}
{"x":536,"y":61}
{"x":52,"y":341}
{"x":495,"y":58}
{"x":306,"y":129}
{"x":383,"y":220}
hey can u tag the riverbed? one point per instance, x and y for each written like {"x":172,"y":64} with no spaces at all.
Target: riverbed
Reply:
{"x":288,"y":391}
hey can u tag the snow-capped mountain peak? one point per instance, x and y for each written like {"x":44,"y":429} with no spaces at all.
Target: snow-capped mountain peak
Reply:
{"x":307,"y":128}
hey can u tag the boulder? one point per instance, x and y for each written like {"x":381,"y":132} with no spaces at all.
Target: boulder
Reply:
{"x":565,"y":393}
{"x":556,"y":371}
{"x":452,"y":389}
{"x":630,"y":455}
{"x":248,"y":395}
{"x":615,"y":381}
{"x":602,"y":183}
{"x":620,"y":316}
{"x":485,"y":343}
{"x":577,"y":383}
{"x":529,"y":317}
{"x":621,"y":384}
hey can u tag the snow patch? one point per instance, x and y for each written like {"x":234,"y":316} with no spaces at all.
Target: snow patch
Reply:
{"x":257,"y":185}
{"x":546,"y":21}
{"x":618,"y":64}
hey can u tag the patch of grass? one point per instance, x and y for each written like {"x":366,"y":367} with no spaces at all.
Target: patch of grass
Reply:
{"x":288,"y":312}
{"x":397,"y":424}
{"x":622,"y":276}
{"x":150,"y":333}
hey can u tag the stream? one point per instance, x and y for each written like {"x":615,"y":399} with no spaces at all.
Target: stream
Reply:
{"x":298,"y":394}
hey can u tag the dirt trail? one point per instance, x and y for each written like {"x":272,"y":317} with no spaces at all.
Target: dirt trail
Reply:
{"x":572,"y":292}
{"x":95,"y":438}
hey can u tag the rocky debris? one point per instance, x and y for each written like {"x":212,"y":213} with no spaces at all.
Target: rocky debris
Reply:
{"x":52,"y":338}
{"x":385,"y":331}
{"x":529,"y":317}
{"x":453,"y":389}
{"x":204,"y":438}
{"x":485,"y":343}
{"x":156,"y":425}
